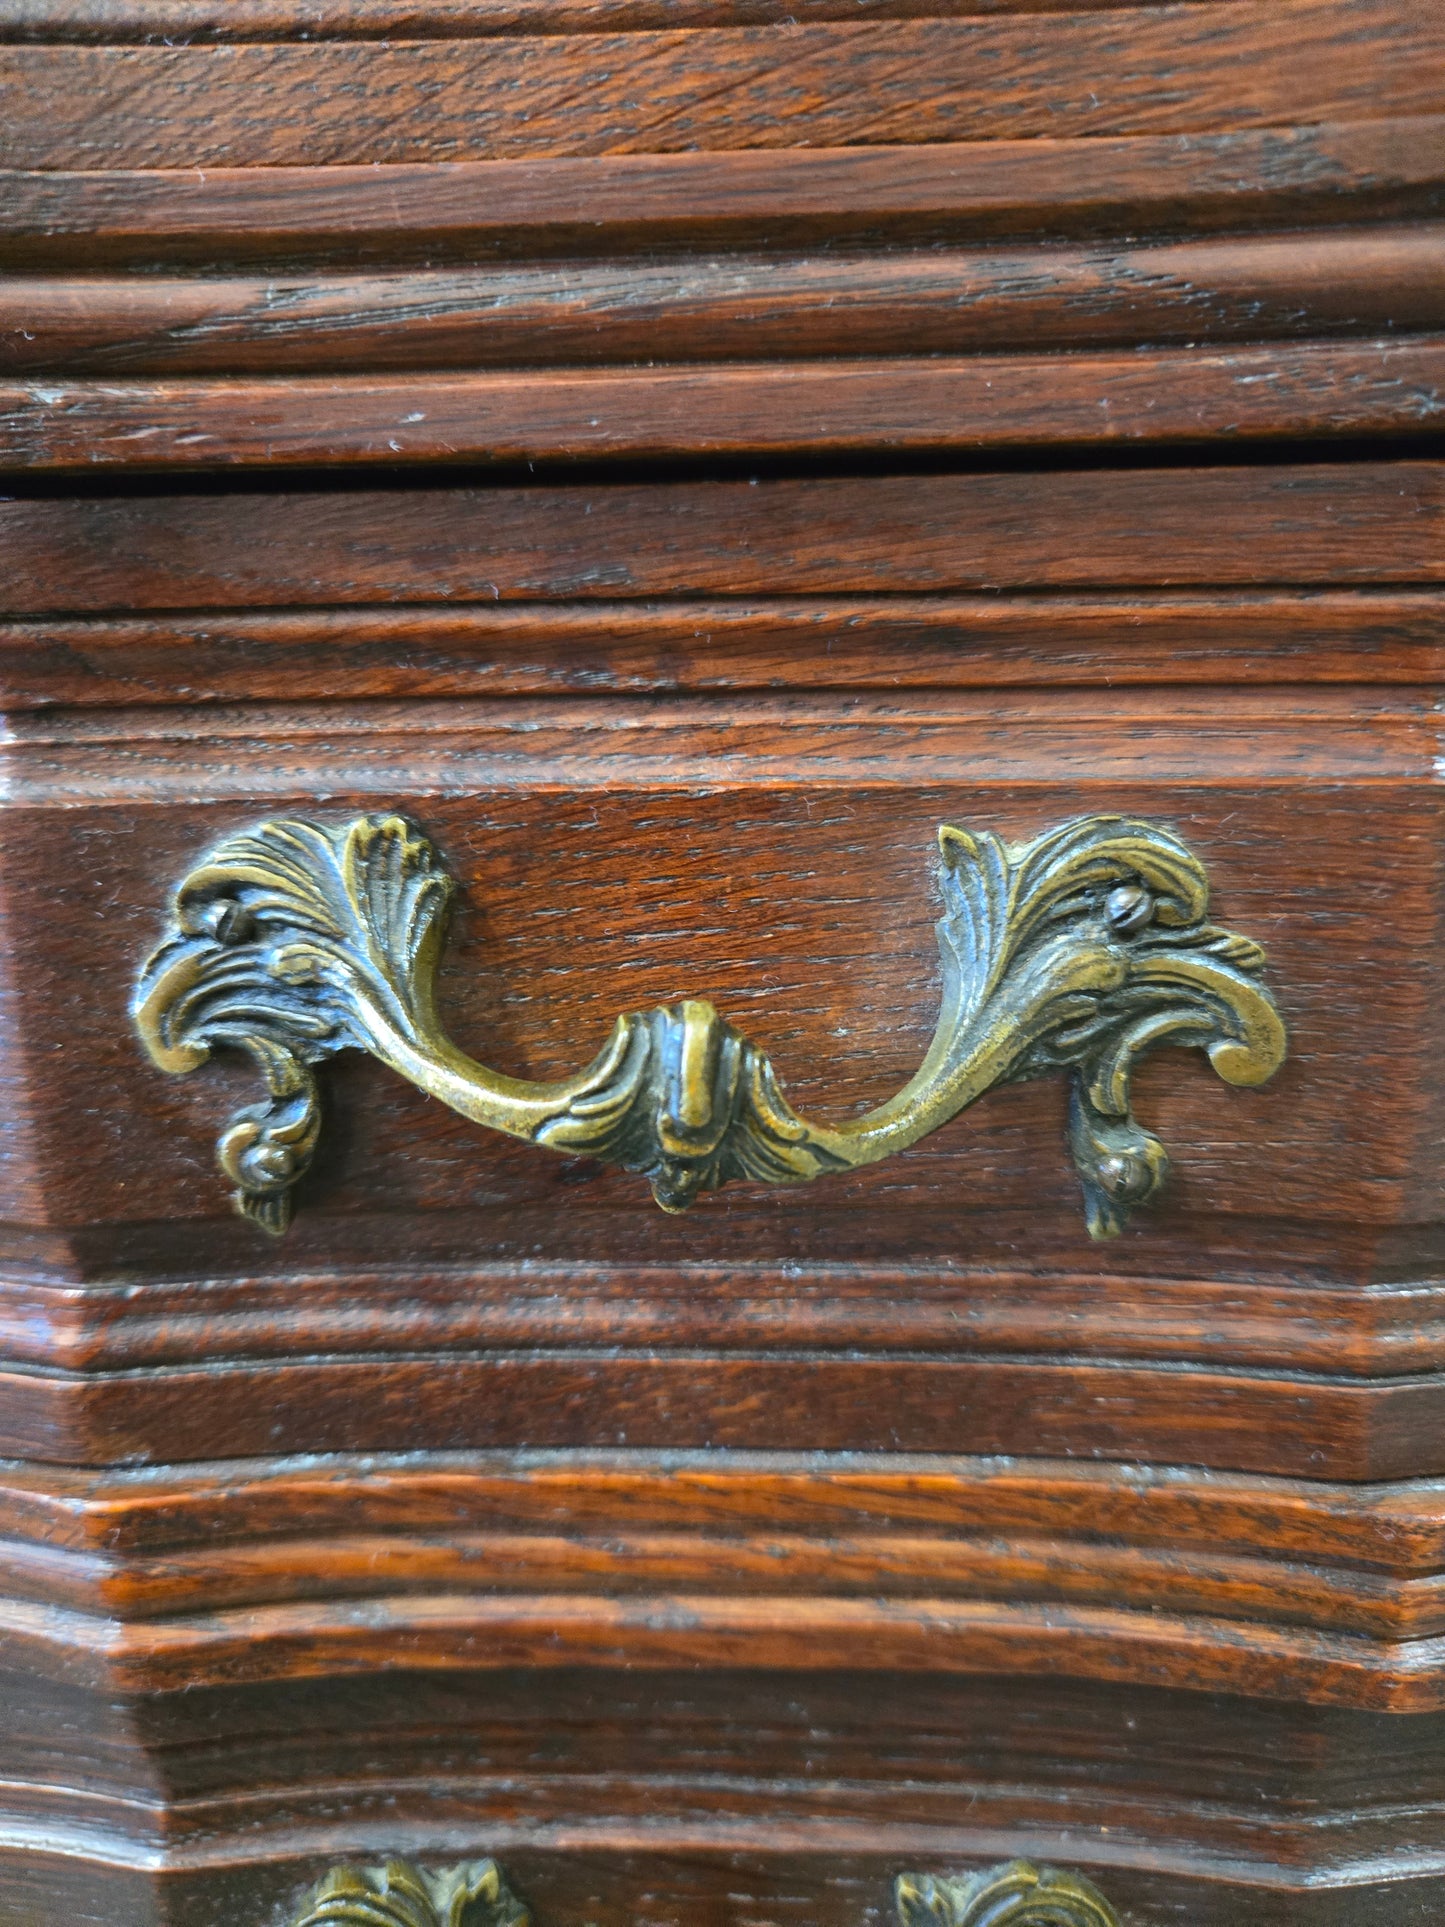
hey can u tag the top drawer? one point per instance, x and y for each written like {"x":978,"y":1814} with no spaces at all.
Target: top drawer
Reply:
{"x":694,"y":831}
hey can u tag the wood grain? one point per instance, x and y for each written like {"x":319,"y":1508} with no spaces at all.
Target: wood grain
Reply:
{"x":1379,"y":168}
{"x":734,"y":307}
{"x":805,"y":830}
{"x":448,"y":1633}
{"x":1355,"y":523}
{"x":117,"y":22}
{"x":294,"y":1506}
{"x":616,"y":1871}
{"x":930,"y":405}
{"x":927,"y":1305}
{"x":780,"y":923}
{"x":716,"y":1569}
{"x":821,"y":643}
{"x":190,"y":1540}
{"x":631,"y":1796}
{"x":1169,"y":70}
{"x":1282,"y":1423}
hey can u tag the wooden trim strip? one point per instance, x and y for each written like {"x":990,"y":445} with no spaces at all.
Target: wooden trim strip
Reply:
{"x":617,"y":648}
{"x":1290,"y":1425}
{"x":170,"y":755}
{"x":144,"y":1513}
{"x":473,"y":1561}
{"x":1355,"y":1331}
{"x":1354,"y":524}
{"x":1386,"y":387}
{"x":1364,"y":1560}
{"x":611,"y":1833}
{"x":1385,"y":168}
{"x":458,"y":1634}
{"x":1207,"y":67}
{"x":747,"y":307}
{"x":202,"y":22}
{"x":620,"y":1563}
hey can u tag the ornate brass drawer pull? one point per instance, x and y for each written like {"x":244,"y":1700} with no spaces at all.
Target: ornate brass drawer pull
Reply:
{"x":474,"y":1894}
{"x":1017,"y":1894}
{"x":1076,"y":951}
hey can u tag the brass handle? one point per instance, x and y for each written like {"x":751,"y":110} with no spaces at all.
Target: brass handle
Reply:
{"x":1076,"y":951}
{"x":1018,"y":1894}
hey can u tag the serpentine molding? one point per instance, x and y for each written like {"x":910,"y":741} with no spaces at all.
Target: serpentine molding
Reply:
{"x":1074,"y":952}
{"x":476,"y":1894}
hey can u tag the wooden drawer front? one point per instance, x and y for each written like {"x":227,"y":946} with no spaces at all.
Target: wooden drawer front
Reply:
{"x":780,"y":859}
{"x":770,"y":845}
{"x":622,"y":1800}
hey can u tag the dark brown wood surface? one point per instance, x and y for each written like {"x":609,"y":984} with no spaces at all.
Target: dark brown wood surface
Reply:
{"x":1383,"y":169}
{"x":1331,"y":1313}
{"x":1364,"y":524}
{"x":805,"y":831}
{"x":617,"y":1797}
{"x":646,"y":647}
{"x":1189,"y":69}
{"x":116,"y":22}
{"x":870,"y":1560}
{"x":932,"y":404}
{"x":746,"y":306}
{"x":810,"y":833}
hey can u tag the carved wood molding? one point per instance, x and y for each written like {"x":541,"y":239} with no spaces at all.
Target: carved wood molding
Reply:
{"x":1076,"y":951}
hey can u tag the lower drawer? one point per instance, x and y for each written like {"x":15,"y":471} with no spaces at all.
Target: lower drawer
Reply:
{"x":776,"y":1799}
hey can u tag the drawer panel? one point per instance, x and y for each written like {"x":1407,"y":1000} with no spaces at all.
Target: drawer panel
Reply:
{"x":1146,"y":1793}
{"x":780,"y":859}
{"x":776,"y":855}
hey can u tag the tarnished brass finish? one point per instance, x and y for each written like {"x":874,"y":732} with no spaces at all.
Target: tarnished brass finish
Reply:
{"x":1076,"y":951}
{"x":1018,"y":1894}
{"x":400,"y":1895}
{"x":476,"y":1895}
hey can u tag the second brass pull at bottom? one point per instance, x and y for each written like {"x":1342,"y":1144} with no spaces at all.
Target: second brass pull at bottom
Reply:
{"x":477,"y":1894}
{"x":1074,"y":952}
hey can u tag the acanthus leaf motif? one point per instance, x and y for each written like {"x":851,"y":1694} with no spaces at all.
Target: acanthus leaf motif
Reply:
{"x":399,"y":1894}
{"x":1015,"y":1894}
{"x":287,"y":939}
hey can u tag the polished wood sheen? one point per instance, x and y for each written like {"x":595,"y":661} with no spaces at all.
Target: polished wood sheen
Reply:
{"x":1284,"y":178}
{"x":930,"y":406}
{"x":674,"y":455}
{"x":1194,"y":68}
{"x":938,"y":300}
